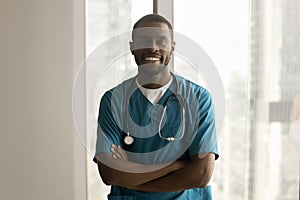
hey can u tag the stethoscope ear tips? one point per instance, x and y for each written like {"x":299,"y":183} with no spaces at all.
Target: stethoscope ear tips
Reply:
{"x":170,"y":139}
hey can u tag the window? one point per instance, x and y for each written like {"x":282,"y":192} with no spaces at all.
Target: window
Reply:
{"x":214,"y":26}
{"x":254,"y":46}
{"x":106,"y":19}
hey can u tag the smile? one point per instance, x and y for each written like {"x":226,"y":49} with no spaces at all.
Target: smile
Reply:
{"x":151,"y":59}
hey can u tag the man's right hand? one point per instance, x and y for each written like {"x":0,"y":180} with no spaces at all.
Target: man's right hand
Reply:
{"x":118,"y":152}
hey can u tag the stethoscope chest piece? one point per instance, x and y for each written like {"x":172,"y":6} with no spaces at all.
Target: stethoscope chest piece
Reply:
{"x":128,"y":140}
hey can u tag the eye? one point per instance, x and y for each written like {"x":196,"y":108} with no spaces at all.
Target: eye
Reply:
{"x":162,"y":42}
{"x":142,"y":42}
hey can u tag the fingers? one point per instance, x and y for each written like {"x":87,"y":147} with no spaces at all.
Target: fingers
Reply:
{"x":118,"y":152}
{"x":122,"y":152}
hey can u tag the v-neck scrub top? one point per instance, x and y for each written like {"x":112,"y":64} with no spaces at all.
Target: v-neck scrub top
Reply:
{"x":126,"y":108}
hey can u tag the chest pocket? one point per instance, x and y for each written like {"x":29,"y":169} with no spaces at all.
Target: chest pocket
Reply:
{"x":173,"y":119}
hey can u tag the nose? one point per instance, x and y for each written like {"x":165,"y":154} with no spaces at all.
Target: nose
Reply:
{"x":153,"y":47}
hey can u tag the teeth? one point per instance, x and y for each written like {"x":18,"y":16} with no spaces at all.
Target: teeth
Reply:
{"x":151,"y":59}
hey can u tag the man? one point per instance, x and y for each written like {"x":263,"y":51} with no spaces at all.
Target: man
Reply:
{"x":156,"y":134}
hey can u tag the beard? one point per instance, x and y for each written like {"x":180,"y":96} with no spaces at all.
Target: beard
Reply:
{"x":152,"y":69}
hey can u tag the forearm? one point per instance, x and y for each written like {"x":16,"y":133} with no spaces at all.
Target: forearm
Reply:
{"x":125,"y":173}
{"x":194,"y":175}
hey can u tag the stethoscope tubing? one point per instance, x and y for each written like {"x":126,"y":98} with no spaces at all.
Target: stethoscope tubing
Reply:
{"x":129,"y":139}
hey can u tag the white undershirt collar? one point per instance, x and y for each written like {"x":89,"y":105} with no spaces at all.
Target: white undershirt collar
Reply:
{"x":153,"y":95}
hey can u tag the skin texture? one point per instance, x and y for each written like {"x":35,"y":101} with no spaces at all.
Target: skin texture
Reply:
{"x":193,"y":173}
{"x":152,"y":42}
{"x":129,"y":177}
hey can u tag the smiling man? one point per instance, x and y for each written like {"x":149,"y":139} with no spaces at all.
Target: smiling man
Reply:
{"x":156,"y":135}
{"x":152,"y":47}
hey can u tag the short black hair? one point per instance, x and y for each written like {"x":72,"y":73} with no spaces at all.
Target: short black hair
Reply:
{"x":153,"y":18}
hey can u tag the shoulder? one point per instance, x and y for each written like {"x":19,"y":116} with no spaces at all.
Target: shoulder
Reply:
{"x":121,"y":89}
{"x":187,"y":87}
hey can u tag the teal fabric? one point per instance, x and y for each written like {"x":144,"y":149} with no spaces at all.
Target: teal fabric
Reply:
{"x":119,"y":193}
{"x":148,"y":147}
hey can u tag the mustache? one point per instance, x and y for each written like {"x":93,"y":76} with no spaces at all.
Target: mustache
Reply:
{"x":155,"y":55}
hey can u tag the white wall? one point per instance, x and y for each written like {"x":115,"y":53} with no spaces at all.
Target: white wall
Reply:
{"x":41,"y":43}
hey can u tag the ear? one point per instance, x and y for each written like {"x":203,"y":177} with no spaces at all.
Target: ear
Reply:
{"x":131,"y":47}
{"x":173,"y":46}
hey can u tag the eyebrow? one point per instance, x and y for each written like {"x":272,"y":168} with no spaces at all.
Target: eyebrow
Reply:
{"x":147,"y":36}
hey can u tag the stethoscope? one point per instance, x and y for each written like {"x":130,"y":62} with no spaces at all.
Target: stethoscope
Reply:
{"x":128,"y":139}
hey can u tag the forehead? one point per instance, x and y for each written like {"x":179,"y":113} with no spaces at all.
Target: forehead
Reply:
{"x":151,"y":30}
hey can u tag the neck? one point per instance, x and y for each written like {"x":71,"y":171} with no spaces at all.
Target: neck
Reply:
{"x":154,"y":81}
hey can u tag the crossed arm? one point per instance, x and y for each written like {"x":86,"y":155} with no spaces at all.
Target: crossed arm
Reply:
{"x":165,"y":177}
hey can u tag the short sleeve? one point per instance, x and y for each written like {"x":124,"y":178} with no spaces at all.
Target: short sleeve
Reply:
{"x":108,"y":132}
{"x":205,"y":140}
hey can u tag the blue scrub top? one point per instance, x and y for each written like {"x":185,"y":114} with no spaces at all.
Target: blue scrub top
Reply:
{"x":126,"y":101}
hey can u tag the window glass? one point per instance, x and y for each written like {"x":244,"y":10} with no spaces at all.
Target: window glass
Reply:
{"x":255,"y":50}
{"x":104,"y":20}
{"x":215,"y":27}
